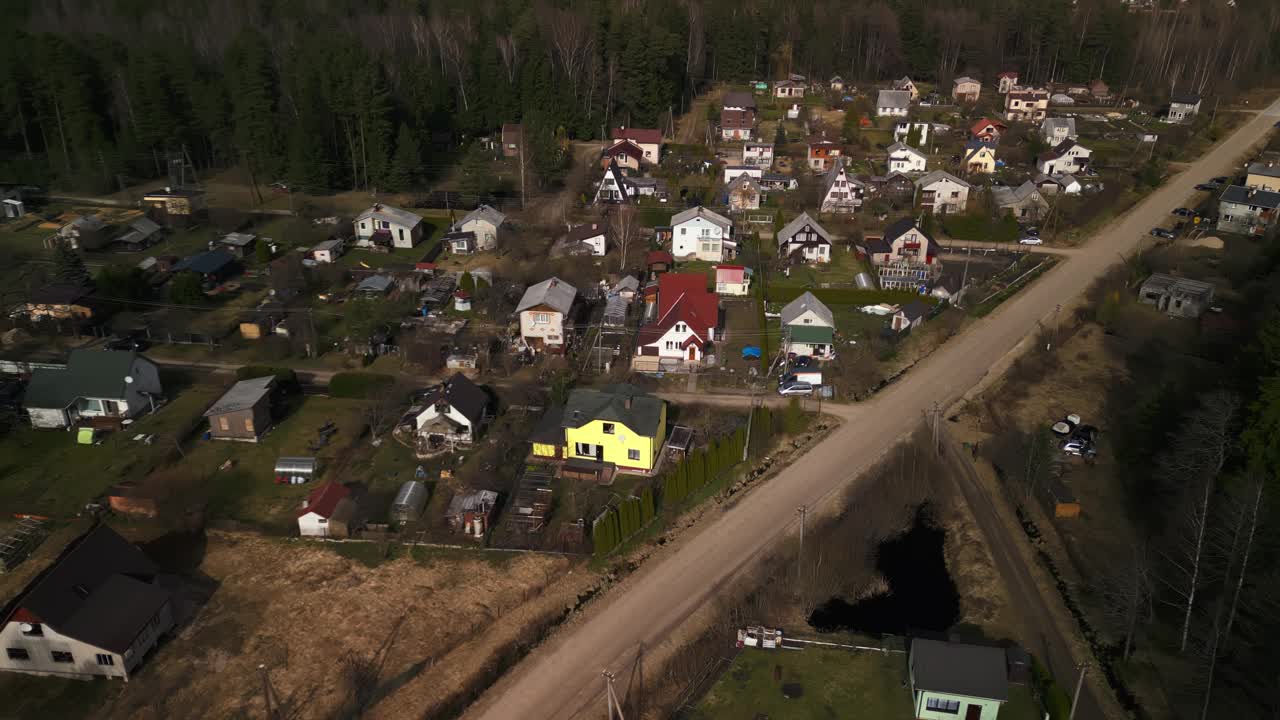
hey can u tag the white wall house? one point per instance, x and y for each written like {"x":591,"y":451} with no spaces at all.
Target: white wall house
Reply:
{"x":1067,"y":158}
{"x":804,"y":239}
{"x":702,"y":234}
{"x":758,"y":154}
{"x":905,"y":159}
{"x":808,"y":325}
{"x":902,"y":130}
{"x":893,"y":103}
{"x":733,"y":171}
{"x":95,"y":384}
{"x":942,"y":193}
{"x":97,"y":612}
{"x":1057,"y":129}
{"x":614,"y":186}
{"x":383,"y":224}
{"x":843,"y":193}
{"x":543,"y":310}
{"x":328,"y":251}
{"x":485,"y":222}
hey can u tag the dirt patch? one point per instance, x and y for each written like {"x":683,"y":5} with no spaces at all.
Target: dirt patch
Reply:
{"x":418,"y":629}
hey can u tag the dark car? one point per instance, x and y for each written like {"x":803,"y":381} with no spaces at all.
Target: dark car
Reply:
{"x":1163,"y":233}
{"x":1207,"y":187}
{"x":135,"y":344}
{"x":801,"y":361}
{"x":1032,"y":231}
{"x":1221,"y":180}
{"x":1184,"y":212}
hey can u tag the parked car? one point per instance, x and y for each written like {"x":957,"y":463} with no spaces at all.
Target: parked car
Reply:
{"x":1207,"y":187}
{"x":1184,"y":212}
{"x":1163,"y":233}
{"x":801,"y":361}
{"x":1079,"y":448}
{"x":796,"y":388}
{"x":1221,"y":180}
{"x":1030,"y":240}
{"x":1033,"y":231}
{"x":126,"y":343}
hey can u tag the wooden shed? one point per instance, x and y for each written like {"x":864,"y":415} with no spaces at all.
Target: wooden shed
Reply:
{"x":1060,"y":500}
{"x":244,"y":412}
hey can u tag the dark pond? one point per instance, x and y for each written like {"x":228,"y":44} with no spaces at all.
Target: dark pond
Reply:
{"x":921,"y":593}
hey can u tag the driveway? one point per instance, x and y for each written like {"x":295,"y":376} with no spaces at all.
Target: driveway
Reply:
{"x":562,"y":679}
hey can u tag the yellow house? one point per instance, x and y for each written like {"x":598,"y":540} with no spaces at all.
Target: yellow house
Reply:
{"x":1263,"y":176}
{"x":618,"y":427}
{"x":979,"y":158}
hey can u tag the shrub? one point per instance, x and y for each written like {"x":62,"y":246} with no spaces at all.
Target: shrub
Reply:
{"x":358,"y":385}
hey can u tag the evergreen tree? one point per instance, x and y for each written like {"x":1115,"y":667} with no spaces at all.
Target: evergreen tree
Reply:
{"x":262,"y":252}
{"x":404,"y":167}
{"x":69,"y":266}
{"x":186,"y":289}
{"x":467,"y":282}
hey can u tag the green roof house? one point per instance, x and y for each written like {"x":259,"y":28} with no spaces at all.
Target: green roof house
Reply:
{"x":951,"y":681}
{"x":808,"y":327}
{"x":94,"y":384}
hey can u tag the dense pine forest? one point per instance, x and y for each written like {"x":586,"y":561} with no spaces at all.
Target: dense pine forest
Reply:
{"x":341,"y":94}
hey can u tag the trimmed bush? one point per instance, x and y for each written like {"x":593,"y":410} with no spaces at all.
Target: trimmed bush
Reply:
{"x":359,"y":386}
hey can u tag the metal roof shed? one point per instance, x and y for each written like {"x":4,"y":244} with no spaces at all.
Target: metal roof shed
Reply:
{"x":409,"y":503}
{"x":304,"y":469}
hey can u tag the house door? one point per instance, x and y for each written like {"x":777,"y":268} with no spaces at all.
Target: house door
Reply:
{"x":693,"y":353}
{"x":973,"y":712}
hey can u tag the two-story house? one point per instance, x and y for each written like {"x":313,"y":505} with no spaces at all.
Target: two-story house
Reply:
{"x":686,"y":322}
{"x":733,"y":280}
{"x":955,"y":680}
{"x":96,"y":385}
{"x":1024,"y":202}
{"x":942,"y":193}
{"x":804,"y":240}
{"x":98,"y":611}
{"x":1183,"y":106}
{"x":822,"y":153}
{"x":649,"y":141}
{"x":1057,"y":130}
{"x":737,"y":116}
{"x":702,"y":234}
{"x":449,"y":415}
{"x":626,"y":153}
{"x":1029,"y":105}
{"x":1006,"y":82}
{"x":979,"y":158}
{"x":1246,"y":210}
{"x":842,"y":192}
{"x":1067,"y":157}
{"x":893,"y":103}
{"x":965,"y":90}
{"x":619,"y":427}
{"x":808,"y":327}
{"x":757,"y":154}
{"x":544,"y":311}
{"x":744,"y":193}
{"x":1263,"y":176}
{"x":905,"y":257}
{"x":907,"y":85}
{"x":905,"y":159}
{"x":614,"y":187}
{"x":388,"y":226}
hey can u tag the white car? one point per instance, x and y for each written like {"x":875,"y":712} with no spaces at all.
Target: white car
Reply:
{"x":795,"y":388}
{"x":1031,"y":240}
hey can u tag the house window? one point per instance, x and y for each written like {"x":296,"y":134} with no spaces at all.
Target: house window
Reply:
{"x":363,"y":226}
{"x":633,"y":454}
{"x":608,"y":428}
{"x":322,"y":521}
{"x":584,"y":449}
{"x":105,"y":659}
{"x":541,"y":318}
{"x":684,"y":231}
{"x":62,"y":657}
{"x":18,"y":654}
{"x":248,"y":424}
{"x":681,"y":327}
{"x":401,"y":231}
{"x":223,"y":423}
{"x":385,"y":225}
{"x":945,"y":706}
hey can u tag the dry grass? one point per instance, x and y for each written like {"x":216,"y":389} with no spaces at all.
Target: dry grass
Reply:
{"x":417,"y":630}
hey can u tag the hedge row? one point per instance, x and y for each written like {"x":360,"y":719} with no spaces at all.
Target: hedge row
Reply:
{"x":359,"y":386}
{"x":848,"y":296}
{"x":621,"y":521}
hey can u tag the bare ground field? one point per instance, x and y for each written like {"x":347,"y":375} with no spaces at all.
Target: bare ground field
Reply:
{"x":403,"y":638}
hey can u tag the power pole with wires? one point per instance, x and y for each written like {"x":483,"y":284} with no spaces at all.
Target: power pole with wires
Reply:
{"x":1075,"y":699}
{"x":611,"y":698}
{"x":802,"y":511}
{"x":936,"y":412}
{"x":522,"y":195}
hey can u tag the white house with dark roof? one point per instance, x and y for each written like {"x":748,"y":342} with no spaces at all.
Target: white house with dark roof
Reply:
{"x":98,"y":611}
{"x":543,"y":310}
{"x":702,"y":234}
{"x":842,"y":192}
{"x":1066,"y":157}
{"x":450,"y":414}
{"x":905,"y":257}
{"x":957,"y":680}
{"x":757,"y":154}
{"x":95,"y":384}
{"x":808,"y":326}
{"x":804,"y":239}
{"x":893,"y":103}
{"x":386,"y":225}
{"x":1182,"y":106}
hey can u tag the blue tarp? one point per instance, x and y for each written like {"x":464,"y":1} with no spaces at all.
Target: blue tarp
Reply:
{"x":750,"y":352}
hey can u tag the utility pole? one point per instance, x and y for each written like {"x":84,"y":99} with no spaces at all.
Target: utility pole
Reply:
{"x":801,"y":511}
{"x":1075,"y":699}
{"x":611,"y":698}
{"x":1053,"y":341}
{"x":936,"y":412}
{"x":522,"y":195}
{"x":267,"y":693}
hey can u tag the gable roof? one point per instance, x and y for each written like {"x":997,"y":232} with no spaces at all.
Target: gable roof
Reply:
{"x":1185,"y":98}
{"x":654,"y":257}
{"x":585,"y":231}
{"x":1007,"y":196}
{"x":699,"y":310}
{"x":610,"y":404}
{"x":470,"y":399}
{"x":1265,"y":169}
{"x":139,"y":230}
{"x":976,"y":147}
{"x":624,"y":147}
{"x":902,"y":227}
{"x":963,"y":80}
{"x":897,"y":99}
{"x":56,"y":294}
{"x":620,"y":181}
{"x":648,"y":136}
{"x":242,"y":396}
{"x":89,"y":373}
{"x":837,"y":168}
{"x":207,"y":262}
{"x":938,"y":176}
{"x":985,"y":123}
{"x":552,"y":292}
{"x":959,"y":669}
{"x":485,"y":213}
{"x":238,"y":239}
{"x":1241,"y":195}
{"x":915,"y":309}
{"x":324,"y":500}
{"x":672,"y":285}
{"x":1051,"y":125}
{"x":699,"y":211}
{"x":900,"y":147}
{"x":99,"y":591}
{"x":807,"y":303}
{"x":798,"y":223}
{"x":395,"y":214}
{"x":744,"y":182}
{"x":738,"y":99}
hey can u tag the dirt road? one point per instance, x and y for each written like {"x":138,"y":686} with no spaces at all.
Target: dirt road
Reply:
{"x":561,"y":679}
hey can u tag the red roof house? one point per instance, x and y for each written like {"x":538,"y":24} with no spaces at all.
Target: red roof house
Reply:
{"x":986,"y":129}
{"x":329,"y":512}
{"x":672,"y":285}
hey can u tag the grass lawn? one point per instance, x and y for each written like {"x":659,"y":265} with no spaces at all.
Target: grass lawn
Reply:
{"x":832,"y":683}
{"x":842,"y":269}
{"x":46,"y":473}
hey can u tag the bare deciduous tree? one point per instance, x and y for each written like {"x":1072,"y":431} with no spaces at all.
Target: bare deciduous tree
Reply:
{"x":624,"y":225}
{"x":1127,"y":597}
